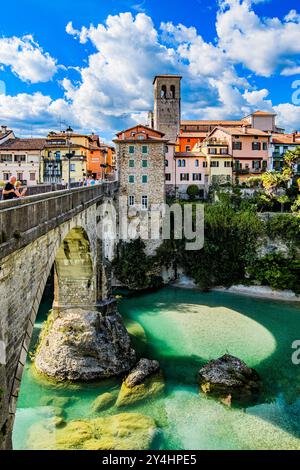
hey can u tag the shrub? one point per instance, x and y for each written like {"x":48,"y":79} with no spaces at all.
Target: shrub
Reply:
{"x":276,"y":271}
{"x":193,"y":192}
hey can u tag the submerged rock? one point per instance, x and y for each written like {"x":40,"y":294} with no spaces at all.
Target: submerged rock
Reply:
{"x":104,"y":401}
{"x":144,"y":381}
{"x":143,"y":369}
{"x":126,"y":431}
{"x":229,"y":379}
{"x":80,"y":345}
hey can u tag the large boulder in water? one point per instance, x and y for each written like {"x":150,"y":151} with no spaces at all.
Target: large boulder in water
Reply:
{"x":229,"y":379}
{"x":80,"y":345}
{"x":145,"y":381}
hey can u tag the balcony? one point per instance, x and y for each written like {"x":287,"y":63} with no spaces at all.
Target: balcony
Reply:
{"x":215,"y":142}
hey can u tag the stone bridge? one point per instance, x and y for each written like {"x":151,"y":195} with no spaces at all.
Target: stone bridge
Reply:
{"x":36,"y":233}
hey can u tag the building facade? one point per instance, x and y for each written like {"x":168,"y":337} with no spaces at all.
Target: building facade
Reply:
{"x":21,"y":158}
{"x":141,"y":155}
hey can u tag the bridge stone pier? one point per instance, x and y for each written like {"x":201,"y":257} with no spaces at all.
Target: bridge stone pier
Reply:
{"x":36,"y":233}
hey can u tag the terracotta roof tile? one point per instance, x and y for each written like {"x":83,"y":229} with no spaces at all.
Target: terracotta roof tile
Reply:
{"x":23,"y":144}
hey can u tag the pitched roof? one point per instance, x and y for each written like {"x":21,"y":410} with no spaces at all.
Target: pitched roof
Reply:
{"x":189,"y":154}
{"x":241,"y":131}
{"x":286,"y":139}
{"x":138,"y":126}
{"x":212,"y":123}
{"x":23,"y":144}
{"x":263,"y":113}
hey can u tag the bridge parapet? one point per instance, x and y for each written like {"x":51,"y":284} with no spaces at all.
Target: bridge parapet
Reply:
{"x":24,"y":220}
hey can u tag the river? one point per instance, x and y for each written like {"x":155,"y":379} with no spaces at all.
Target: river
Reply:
{"x":183,"y":329}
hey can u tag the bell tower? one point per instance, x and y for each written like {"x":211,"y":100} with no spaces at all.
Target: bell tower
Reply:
{"x":167,"y":105}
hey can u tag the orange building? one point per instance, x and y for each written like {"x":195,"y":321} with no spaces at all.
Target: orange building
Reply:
{"x":101,"y":159}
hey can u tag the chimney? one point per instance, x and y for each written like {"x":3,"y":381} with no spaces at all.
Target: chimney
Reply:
{"x":3,"y":129}
{"x":294,"y":136}
{"x":245,"y":129}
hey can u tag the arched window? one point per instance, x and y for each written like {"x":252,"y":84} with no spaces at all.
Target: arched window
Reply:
{"x":183,"y":163}
{"x":173,"y":92}
{"x":163,"y":92}
{"x":179,"y":163}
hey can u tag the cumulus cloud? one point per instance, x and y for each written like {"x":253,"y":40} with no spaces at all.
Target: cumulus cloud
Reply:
{"x":113,"y":89}
{"x":27,"y":59}
{"x":261,"y":44}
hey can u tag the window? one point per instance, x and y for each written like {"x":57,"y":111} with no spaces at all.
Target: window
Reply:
{"x":256,"y":146}
{"x":183,"y":163}
{"x":32,"y":177}
{"x":144,"y":202}
{"x":166,"y":163}
{"x":204,"y":164}
{"x":223,"y":151}
{"x":212,"y":151}
{"x":256,"y":165}
{"x":184,"y":177}
{"x":264,"y":164}
{"x":227,"y":164}
{"x":196,"y":176}
{"x":196,"y":163}
{"x":57,"y":155}
{"x":214,"y":164}
{"x":131,"y":149}
{"x":163,"y":93}
{"x":131,"y":201}
{"x":188,"y":140}
{"x":265,"y":146}
{"x":237,"y":146}
{"x":144,"y":149}
{"x":173,"y":95}
{"x":168,"y":176}
{"x":20,"y":158}
{"x":179,"y":163}
{"x":131,"y":178}
{"x":6,"y":157}
{"x":188,"y":148}
{"x":145,"y":163}
{"x":73,"y":167}
{"x":20,"y":176}
{"x":144,"y":179}
{"x":141,"y":137}
{"x":6,"y":176}
{"x":131,"y":163}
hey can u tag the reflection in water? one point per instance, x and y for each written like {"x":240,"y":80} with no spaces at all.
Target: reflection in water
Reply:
{"x":183,"y":329}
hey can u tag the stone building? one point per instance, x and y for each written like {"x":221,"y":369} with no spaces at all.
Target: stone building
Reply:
{"x":141,"y":154}
{"x":167,"y":105}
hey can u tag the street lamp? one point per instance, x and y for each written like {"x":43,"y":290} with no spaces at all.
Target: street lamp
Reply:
{"x":69,"y":155}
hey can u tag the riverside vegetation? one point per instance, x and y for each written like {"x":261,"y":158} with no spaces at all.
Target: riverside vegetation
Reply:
{"x":241,"y":244}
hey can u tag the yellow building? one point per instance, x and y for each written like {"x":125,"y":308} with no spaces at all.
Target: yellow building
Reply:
{"x":55,"y":163}
{"x":219,"y":162}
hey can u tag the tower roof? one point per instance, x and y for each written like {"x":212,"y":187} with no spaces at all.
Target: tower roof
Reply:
{"x":166,"y":76}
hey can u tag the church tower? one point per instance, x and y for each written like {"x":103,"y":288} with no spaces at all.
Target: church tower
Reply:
{"x":167,"y":105}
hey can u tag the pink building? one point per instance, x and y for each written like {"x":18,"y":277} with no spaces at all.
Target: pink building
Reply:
{"x":184,"y":169}
{"x":250,"y":149}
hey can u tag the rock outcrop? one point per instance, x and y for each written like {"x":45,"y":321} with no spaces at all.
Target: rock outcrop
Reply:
{"x":125,"y":431}
{"x":144,"y":381}
{"x":80,"y":345}
{"x":229,"y":379}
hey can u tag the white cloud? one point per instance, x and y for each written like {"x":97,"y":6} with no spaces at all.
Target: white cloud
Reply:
{"x":288,"y":116}
{"x":289,"y":71}
{"x":114,"y":85}
{"x":27,"y":59}
{"x":261,"y":45}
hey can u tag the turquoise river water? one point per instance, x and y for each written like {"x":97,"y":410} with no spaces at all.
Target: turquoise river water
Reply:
{"x":183,"y":329}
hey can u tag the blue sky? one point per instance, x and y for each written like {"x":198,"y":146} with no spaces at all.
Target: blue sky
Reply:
{"x":90,"y":63}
